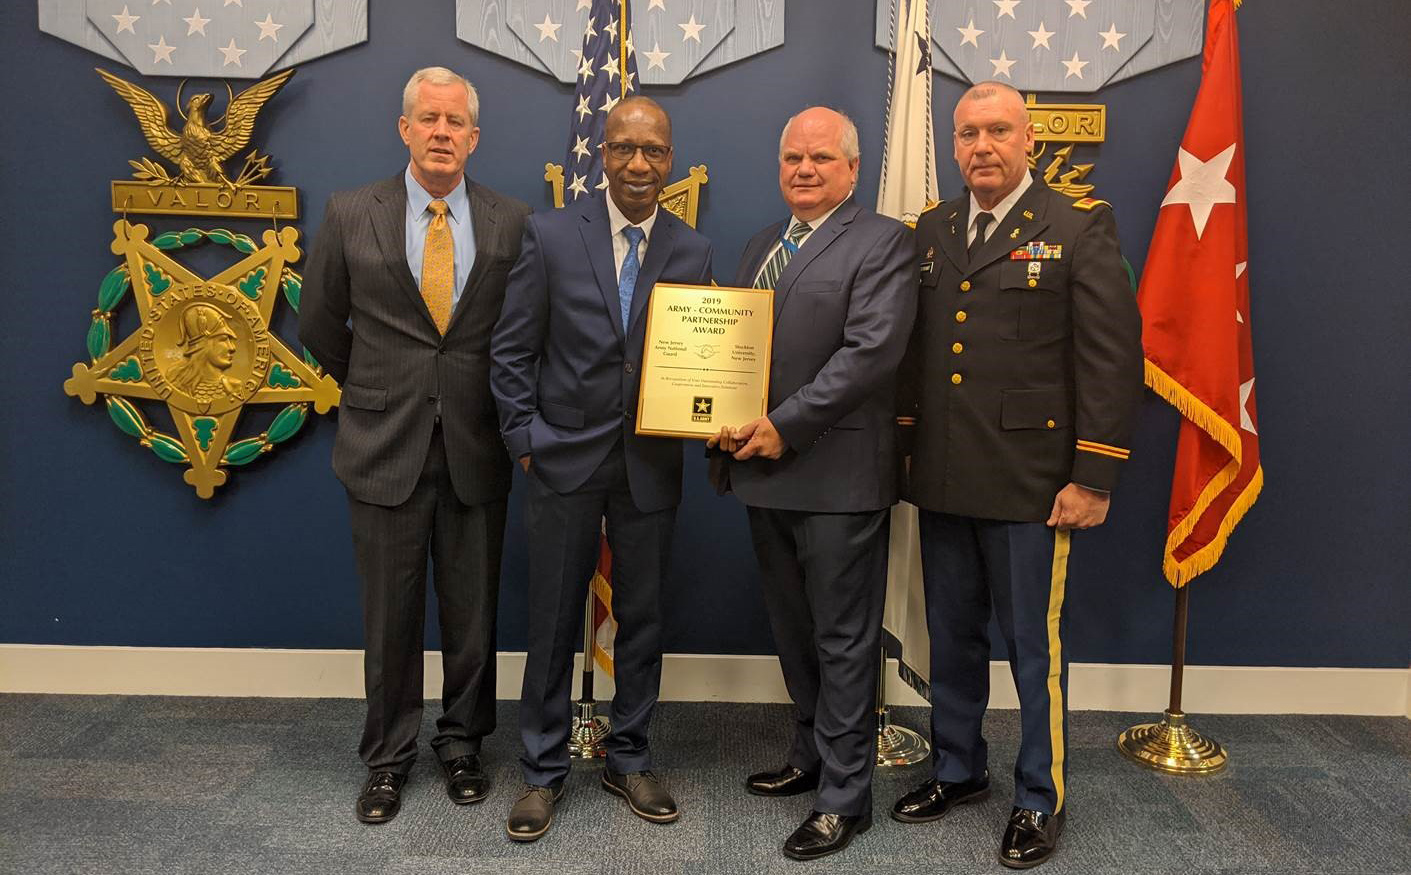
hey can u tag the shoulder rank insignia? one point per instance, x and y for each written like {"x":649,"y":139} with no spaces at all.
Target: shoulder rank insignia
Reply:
{"x":929,"y":207}
{"x":1088,"y":204}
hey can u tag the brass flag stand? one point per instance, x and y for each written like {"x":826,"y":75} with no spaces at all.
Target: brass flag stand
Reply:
{"x":896,"y":745}
{"x":1170,"y":745}
{"x":590,"y":730}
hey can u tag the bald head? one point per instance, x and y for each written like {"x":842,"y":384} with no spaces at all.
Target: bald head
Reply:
{"x":817,"y":161}
{"x":637,"y":109}
{"x":993,"y":140}
{"x":636,"y":155}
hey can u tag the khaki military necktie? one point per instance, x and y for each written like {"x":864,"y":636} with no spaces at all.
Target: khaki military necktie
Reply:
{"x":438,"y":267}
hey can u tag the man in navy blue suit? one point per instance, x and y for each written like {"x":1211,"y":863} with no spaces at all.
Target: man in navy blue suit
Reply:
{"x":567,"y":356}
{"x":818,"y":474}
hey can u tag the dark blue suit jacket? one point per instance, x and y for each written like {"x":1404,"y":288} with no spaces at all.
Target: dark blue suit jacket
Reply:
{"x":563,"y":374}
{"x":843,"y":310}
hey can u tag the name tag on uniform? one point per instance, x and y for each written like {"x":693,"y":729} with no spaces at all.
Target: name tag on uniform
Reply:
{"x":1037,"y":251}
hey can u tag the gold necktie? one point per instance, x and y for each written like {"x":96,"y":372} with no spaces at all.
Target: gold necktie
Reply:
{"x":438,"y":267}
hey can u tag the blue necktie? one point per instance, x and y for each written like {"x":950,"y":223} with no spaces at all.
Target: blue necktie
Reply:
{"x":630,"y":267}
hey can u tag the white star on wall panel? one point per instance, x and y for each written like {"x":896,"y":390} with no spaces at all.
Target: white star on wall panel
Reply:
{"x":674,"y":39}
{"x":228,"y":39}
{"x":1055,"y":46}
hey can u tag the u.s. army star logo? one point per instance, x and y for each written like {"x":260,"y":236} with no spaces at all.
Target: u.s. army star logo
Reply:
{"x":204,"y":348}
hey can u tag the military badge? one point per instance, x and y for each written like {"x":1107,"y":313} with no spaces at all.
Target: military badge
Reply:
{"x":203,"y":348}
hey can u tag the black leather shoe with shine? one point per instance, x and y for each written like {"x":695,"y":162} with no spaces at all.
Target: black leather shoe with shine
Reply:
{"x":823,"y":834}
{"x":381,"y":797}
{"x":644,"y":793}
{"x":1031,"y":838}
{"x":934,"y":798}
{"x":465,"y":779}
{"x":533,"y":813}
{"x":787,"y":781}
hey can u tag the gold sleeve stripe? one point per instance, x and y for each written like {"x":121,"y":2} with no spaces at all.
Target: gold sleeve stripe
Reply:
{"x":1104,"y":449}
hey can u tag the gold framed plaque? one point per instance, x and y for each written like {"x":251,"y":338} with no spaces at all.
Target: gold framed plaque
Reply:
{"x":706,"y":359}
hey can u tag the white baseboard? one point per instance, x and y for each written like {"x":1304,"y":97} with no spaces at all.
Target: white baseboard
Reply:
{"x":172,"y":671}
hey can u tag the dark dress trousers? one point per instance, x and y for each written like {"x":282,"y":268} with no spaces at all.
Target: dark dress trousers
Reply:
{"x":565,"y":377}
{"x":1022,"y":376}
{"x":818,"y":515}
{"x":419,"y":452}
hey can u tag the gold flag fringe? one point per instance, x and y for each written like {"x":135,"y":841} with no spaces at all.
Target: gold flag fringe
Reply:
{"x":1181,"y":572}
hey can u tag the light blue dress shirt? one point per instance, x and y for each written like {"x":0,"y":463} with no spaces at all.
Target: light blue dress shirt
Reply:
{"x":462,"y":233}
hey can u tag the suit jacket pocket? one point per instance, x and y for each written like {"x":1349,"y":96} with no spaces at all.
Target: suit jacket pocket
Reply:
{"x":1048,"y":408}
{"x":819,"y":287}
{"x":854,"y":419}
{"x":363,"y":397}
{"x":560,"y":414}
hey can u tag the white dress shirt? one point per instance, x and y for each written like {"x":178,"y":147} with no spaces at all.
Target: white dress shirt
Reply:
{"x":999,"y":212}
{"x":616,"y":222}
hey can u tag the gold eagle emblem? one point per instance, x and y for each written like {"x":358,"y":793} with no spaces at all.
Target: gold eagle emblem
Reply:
{"x":199,"y":150}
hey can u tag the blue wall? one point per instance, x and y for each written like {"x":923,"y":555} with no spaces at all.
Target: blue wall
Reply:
{"x":101,"y":543}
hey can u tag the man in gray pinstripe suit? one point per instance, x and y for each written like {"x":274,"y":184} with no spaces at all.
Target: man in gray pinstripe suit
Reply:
{"x":404,"y":283}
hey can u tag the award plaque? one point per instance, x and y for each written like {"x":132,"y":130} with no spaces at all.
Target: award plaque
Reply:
{"x":706,"y":359}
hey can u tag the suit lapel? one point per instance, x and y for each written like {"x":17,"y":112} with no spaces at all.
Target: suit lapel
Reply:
{"x":955,"y":219}
{"x":659,"y":248}
{"x":482,"y":223}
{"x":755,"y":252}
{"x":389,"y":226}
{"x":1021,"y":224}
{"x":597,"y":239}
{"x":811,"y":249}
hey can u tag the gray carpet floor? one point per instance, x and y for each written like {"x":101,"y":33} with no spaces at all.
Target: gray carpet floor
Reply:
{"x":124,"y":784}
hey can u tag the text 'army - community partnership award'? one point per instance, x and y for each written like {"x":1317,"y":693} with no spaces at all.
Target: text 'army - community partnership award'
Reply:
{"x":706,"y":359}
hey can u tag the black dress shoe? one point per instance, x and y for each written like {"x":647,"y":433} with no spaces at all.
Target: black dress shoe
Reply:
{"x":823,"y":834}
{"x":381,"y":797}
{"x":644,"y":793}
{"x":465,"y":780}
{"x":788,"y":781}
{"x":1031,"y":837}
{"x":934,"y":798}
{"x":533,"y":813}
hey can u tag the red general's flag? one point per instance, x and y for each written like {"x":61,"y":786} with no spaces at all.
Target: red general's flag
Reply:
{"x":1194,"y":300}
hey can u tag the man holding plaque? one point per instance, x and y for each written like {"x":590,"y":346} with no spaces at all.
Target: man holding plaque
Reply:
{"x":818,"y":472}
{"x":1020,"y":385}
{"x":567,"y":357}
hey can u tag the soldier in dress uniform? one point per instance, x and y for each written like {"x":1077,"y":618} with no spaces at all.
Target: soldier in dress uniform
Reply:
{"x":1016,"y":398}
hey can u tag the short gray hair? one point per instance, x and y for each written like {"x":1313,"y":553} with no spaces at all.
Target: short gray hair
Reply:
{"x":848,"y":142}
{"x":440,"y":76}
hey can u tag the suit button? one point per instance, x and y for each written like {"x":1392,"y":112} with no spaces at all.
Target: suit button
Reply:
{"x":441,"y":349}
{"x":626,"y":414}
{"x":1051,"y":424}
{"x":957,"y":347}
{"x":965,"y":285}
{"x":960,"y":316}
{"x":957,"y":379}
{"x":430,"y":399}
{"x":627,"y":367}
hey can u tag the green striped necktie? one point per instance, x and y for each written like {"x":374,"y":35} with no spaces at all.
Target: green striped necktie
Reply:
{"x":774,"y":268}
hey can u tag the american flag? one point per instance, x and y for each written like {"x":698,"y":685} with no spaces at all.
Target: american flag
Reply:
{"x":607,"y":72}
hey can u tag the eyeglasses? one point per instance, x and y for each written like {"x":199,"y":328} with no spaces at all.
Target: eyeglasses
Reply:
{"x":625,"y":151}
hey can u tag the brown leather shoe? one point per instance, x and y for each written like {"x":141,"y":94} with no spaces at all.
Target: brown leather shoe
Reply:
{"x":644,"y":793}
{"x":533,"y":813}
{"x":465,"y":779}
{"x":823,"y":834}
{"x":933,"y":799}
{"x":1031,"y":838}
{"x":786,"y":781}
{"x":381,"y":797}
